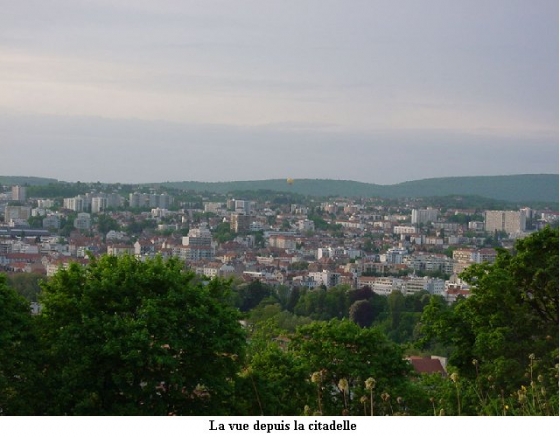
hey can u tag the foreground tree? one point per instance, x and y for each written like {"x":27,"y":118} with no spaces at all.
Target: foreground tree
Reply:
{"x":340,"y":356}
{"x":128,"y":337}
{"x":505,"y":335}
{"x":18,"y":354}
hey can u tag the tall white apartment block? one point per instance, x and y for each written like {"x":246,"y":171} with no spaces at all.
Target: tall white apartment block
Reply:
{"x":511,"y":222}
{"x":77,"y":203}
{"x":424,"y":215}
{"x":98,"y":204}
{"x":19,"y":193}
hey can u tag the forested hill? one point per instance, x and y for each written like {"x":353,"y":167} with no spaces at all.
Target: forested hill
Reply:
{"x":516,"y":188}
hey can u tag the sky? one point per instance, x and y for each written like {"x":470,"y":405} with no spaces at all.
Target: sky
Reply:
{"x":374,"y":91}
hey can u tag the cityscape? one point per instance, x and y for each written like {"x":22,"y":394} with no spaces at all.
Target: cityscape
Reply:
{"x":279,"y":216}
{"x":385,"y":245}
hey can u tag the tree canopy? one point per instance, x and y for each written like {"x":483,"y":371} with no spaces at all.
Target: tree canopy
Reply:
{"x":18,"y":347}
{"x":124,"y":337}
{"x":506,"y":333}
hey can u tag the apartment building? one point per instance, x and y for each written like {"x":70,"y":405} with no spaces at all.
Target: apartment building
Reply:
{"x":420,"y":216}
{"x":14,"y":213}
{"x":326,"y":278}
{"x":511,"y":222}
{"x":404,"y":230}
{"x":197,"y":245}
{"x":151,"y":200}
{"x":19,"y":193}
{"x":83,"y":221}
{"x":240,"y":223}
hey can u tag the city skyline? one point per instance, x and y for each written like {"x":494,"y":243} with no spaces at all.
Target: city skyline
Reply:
{"x":375,"y":92}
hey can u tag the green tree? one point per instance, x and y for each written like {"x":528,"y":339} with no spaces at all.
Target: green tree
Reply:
{"x":250,"y":295}
{"x":26,"y":284}
{"x":510,"y":321}
{"x":223,"y":233}
{"x":340,"y":349}
{"x":106,"y":223}
{"x":275,"y":382}
{"x":128,"y":337}
{"x":361,"y":313}
{"x":396,"y":302}
{"x":35,"y":221}
{"x":19,"y":385}
{"x":323,"y":304}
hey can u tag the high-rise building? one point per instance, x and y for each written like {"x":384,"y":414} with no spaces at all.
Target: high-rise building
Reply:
{"x":198,"y":244}
{"x":240,"y":223}
{"x":424,"y":215}
{"x":78,"y":203}
{"x":19,"y":193}
{"x":511,"y":222}
{"x":98,"y":204}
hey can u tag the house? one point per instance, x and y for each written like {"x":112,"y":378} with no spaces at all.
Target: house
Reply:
{"x":428,"y":365}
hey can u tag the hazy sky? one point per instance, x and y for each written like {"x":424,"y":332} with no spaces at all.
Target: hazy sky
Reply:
{"x":373,"y":91}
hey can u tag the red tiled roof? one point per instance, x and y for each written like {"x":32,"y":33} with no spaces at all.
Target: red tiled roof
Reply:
{"x":427,"y":365}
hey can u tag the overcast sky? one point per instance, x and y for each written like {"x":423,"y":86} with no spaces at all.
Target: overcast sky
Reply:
{"x":372,"y":91}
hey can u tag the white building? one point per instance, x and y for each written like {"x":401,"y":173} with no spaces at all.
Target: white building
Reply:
{"x":326,"y":278}
{"x":394,"y":255}
{"x":19,"y":193}
{"x":98,"y":204}
{"x":420,"y":216}
{"x":404,"y":230}
{"x":78,"y":203}
{"x":83,"y":221}
{"x":512,"y":222}
{"x":306,"y":225}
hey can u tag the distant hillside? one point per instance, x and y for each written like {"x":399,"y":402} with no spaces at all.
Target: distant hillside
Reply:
{"x":25,"y":180}
{"x":516,"y":188}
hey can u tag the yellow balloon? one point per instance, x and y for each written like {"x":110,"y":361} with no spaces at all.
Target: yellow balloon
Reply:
{"x":290,"y":181}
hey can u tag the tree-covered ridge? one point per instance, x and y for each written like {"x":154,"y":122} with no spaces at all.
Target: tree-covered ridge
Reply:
{"x":125,"y":337}
{"x":515,"y":188}
{"x":26,"y":180}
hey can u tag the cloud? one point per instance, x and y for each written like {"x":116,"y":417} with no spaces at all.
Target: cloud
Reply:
{"x":380,"y":90}
{"x":91,"y":149}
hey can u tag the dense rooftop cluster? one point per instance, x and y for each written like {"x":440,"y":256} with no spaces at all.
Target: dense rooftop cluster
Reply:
{"x":275,"y":238}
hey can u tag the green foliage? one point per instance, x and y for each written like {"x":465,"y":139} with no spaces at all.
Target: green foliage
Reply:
{"x":19,"y":358}
{"x":275,"y":382}
{"x":136,"y":227}
{"x":339,"y":349}
{"x":57,"y":190}
{"x":106,"y":223}
{"x":26,"y":284}
{"x":35,"y":222}
{"x":463,"y":192}
{"x":323,"y":304}
{"x":124,"y":337}
{"x":248,"y":296}
{"x":512,"y":315}
{"x":275,"y":318}
{"x":223,"y":233}
{"x":361,"y":313}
